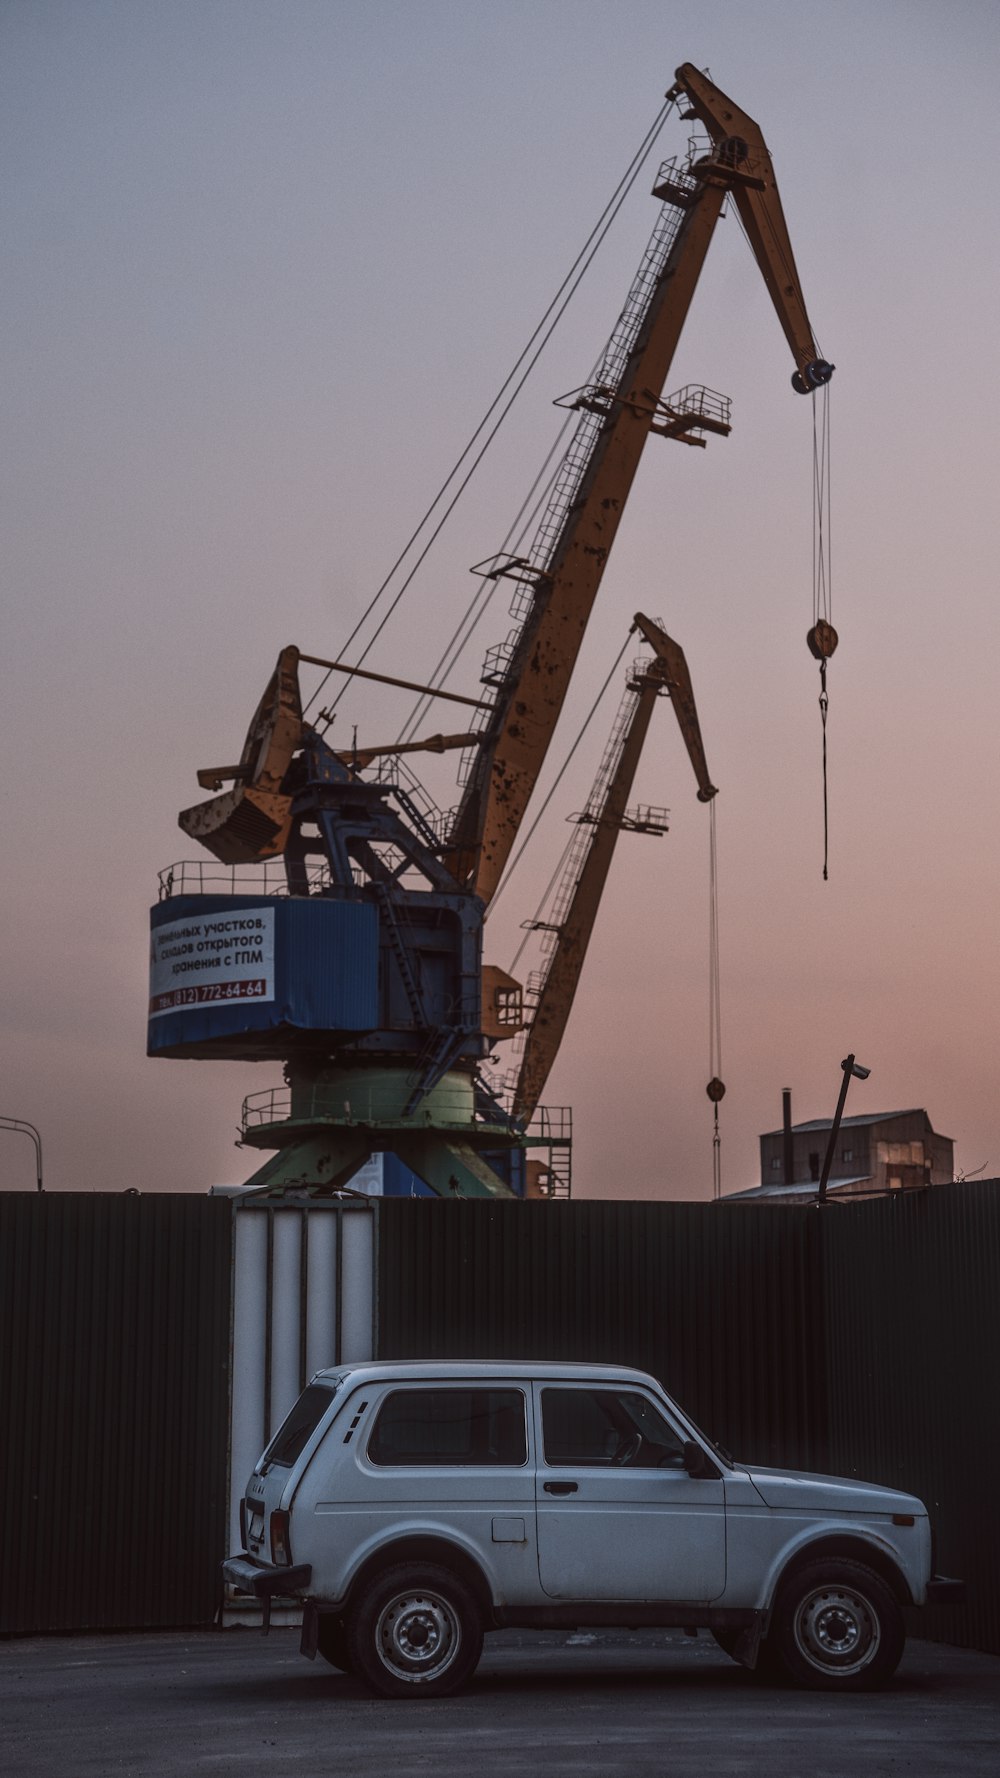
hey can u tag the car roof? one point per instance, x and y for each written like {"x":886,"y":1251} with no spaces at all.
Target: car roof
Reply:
{"x":482,"y":1369}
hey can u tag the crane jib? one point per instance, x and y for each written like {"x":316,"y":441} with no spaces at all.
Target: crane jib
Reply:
{"x":530,"y":695}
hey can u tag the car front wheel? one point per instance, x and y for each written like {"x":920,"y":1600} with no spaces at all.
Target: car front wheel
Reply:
{"x":837,"y":1627}
{"x":416,"y":1633}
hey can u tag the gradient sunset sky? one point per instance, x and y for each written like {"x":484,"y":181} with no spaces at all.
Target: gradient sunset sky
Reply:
{"x":267,"y":264}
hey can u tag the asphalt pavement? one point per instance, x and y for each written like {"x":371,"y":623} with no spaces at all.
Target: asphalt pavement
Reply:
{"x":181,"y":1705}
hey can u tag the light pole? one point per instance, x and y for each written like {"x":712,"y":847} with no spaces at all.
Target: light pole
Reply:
{"x":17,"y":1123}
{"x":850,"y":1066}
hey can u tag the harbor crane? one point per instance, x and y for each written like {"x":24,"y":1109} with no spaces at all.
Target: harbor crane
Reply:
{"x":352,"y":951}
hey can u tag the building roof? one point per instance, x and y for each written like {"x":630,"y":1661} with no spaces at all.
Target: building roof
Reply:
{"x":848,"y":1123}
{"x":798,"y":1186}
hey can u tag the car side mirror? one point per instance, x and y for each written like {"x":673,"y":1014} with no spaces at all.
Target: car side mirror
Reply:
{"x":695,"y":1461}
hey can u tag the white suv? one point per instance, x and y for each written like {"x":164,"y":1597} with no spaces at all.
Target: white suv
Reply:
{"x":412,"y":1507}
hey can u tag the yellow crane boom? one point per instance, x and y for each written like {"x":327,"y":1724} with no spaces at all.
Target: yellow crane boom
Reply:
{"x":755,"y":192}
{"x":564,"y":585}
{"x":579,"y":896}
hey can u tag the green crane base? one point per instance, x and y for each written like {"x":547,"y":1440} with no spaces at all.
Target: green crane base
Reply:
{"x":317,"y":1163}
{"x":320,"y":1164}
{"x":450,"y":1167}
{"x":337,"y":1114}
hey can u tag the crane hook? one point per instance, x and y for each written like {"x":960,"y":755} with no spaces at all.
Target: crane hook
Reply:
{"x":822,"y":642}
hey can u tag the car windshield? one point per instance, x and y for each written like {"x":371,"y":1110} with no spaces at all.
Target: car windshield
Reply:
{"x":713,"y":1443}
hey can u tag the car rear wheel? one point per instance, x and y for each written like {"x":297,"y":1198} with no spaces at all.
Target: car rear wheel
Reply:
{"x":837,"y":1627}
{"x":417,"y":1632}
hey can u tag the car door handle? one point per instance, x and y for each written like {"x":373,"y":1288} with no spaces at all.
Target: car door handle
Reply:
{"x":561,"y":1487}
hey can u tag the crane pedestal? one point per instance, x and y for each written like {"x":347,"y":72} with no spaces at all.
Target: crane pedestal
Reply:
{"x":327,"y":1122}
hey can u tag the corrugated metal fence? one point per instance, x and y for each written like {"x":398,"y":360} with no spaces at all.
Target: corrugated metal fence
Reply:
{"x":864,"y":1339}
{"x":714,"y":1303}
{"x":912,"y":1336}
{"x":114,"y":1398}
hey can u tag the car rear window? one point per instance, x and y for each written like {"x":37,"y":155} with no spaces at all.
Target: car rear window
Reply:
{"x":454,"y":1426}
{"x":303,"y":1420}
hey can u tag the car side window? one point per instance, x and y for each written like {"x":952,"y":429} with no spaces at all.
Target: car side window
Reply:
{"x":605,"y":1427}
{"x":450,"y":1426}
{"x":298,"y":1427}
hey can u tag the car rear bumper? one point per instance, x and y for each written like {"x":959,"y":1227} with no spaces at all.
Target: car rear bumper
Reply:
{"x":942,"y":1591}
{"x":262,"y":1579}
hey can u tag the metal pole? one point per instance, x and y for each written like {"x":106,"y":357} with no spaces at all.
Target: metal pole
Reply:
{"x":787,"y":1151}
{"x":850,"y":1066}
{"x":26,"y":1129}
{"x":428,"y":691}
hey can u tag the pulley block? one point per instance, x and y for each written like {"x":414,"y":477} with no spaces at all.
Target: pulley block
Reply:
{"x":812,"y":376}
{"x":822,"y":640}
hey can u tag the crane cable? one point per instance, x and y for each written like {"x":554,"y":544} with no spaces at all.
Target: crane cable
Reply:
{"x":715,"y":1088}
{"x":525,"y":519}
{"x":543,"y":332}
{"x":822,"y":638}
{"x":588,"y":719}
{"x":544,"y":901}
{"x":470,"y":620}
{"x":514,"y":542}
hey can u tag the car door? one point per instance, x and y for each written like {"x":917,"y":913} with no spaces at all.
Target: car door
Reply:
{"x":618,"y":1516}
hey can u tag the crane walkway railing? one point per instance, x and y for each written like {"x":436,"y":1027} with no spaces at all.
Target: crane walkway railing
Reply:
{"x":587,"y":821}
{"x":370,"y":1105}
{"x":197,"y":876}
{"x":411,"y":794}
{"x":535,"y":563}
{"x":531,"y":568}
{"x":607,"y":379}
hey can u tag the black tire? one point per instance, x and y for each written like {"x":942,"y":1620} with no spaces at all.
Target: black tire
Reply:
{"x":332,"y":1643}
{"x":417,"y":1632}
{"x":837,"y":1627}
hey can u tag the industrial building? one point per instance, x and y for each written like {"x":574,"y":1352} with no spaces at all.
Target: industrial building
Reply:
{"x":882,"y":1151}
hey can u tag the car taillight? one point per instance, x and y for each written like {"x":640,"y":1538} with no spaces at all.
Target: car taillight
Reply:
{"x":243,"y":1524}
{"x":281,"y":1555}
